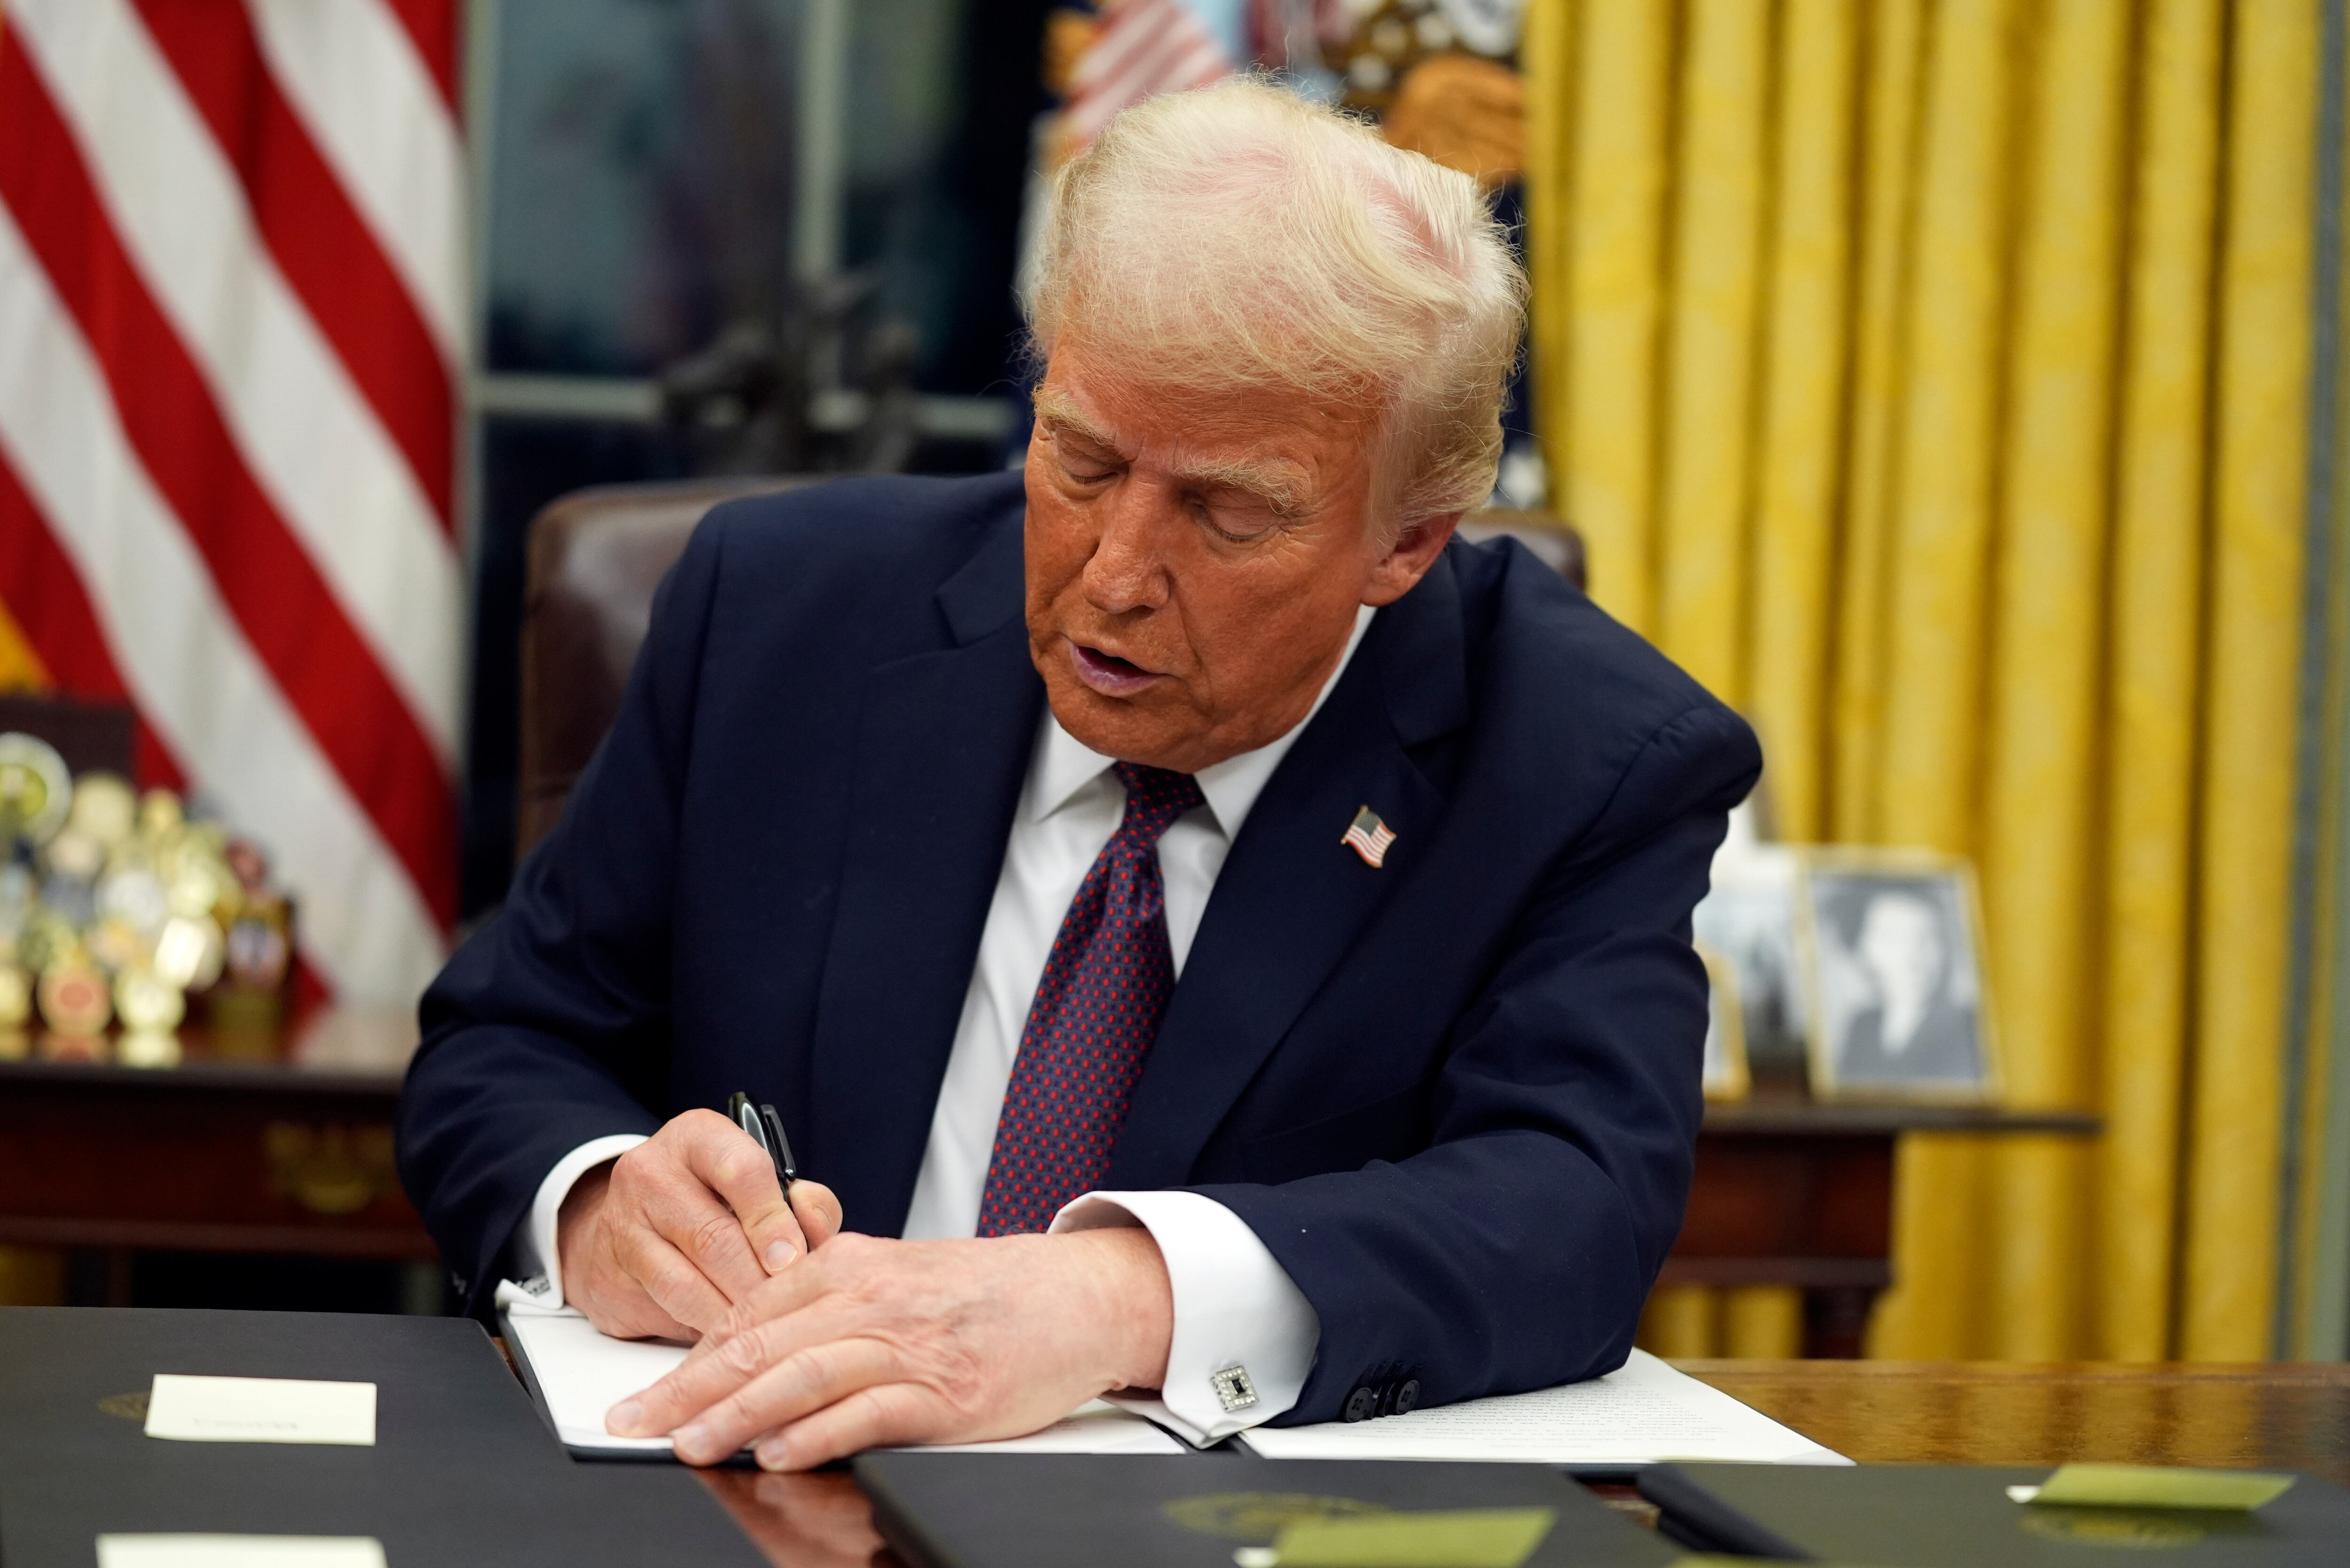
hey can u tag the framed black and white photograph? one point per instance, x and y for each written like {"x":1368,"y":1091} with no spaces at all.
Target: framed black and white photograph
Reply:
{"x":1726,"y":1075}
{"x":1889,"y":950}
{"x":1748,"y":919}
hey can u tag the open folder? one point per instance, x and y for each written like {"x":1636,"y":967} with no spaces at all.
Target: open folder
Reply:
{"x":1643,"y":1413}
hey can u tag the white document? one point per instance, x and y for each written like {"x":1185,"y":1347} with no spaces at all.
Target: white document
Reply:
{"x":239,"y":1552}
{"x":581,"y":1374}
{"x":1642,"y":1414}
{"x":260,"y":1410}
{"x":1095,"y":1427}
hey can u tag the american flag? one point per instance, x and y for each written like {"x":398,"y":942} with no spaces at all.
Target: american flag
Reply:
{"x":1141,"y":49}
{"x":232,"y":311}
{"x":1368,"y":837}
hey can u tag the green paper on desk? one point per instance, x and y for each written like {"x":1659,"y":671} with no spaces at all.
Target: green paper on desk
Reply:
{"x":1451,"y":1538}
{"x":2155,"y":1486}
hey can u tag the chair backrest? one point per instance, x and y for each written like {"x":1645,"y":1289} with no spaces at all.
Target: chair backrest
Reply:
{"x":597,"y":557}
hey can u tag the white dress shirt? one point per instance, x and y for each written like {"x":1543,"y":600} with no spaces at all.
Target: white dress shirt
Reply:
{"x":1235,"y":1307}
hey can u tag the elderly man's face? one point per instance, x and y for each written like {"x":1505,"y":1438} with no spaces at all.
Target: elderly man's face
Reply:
{"x":1195,"y":561}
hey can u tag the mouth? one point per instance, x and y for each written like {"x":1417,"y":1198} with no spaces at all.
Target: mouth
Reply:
{"x":1108,"y":673}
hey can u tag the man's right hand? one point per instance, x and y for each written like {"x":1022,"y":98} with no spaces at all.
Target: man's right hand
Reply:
{"x":661,"y":1242}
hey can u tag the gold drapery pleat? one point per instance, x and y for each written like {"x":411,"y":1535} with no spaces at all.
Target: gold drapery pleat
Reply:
{"x":1622,"y":54}
{"x":1930,"y":377}
{"x":1802,"y":383}
{"x":1895,"y":63}
{"x":1709,"y":356}
{"x":2156,"y":680}
{"x":2260,"y":422}
{"x":2037,"y":843}
{"x":2319,"y":1303}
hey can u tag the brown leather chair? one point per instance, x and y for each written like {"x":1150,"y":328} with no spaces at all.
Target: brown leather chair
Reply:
{"x":596,"y":558}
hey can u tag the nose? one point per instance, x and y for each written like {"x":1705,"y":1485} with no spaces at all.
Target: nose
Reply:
{"x":1128,"y":571}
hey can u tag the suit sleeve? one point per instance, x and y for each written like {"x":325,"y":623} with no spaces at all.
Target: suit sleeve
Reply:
{"x":1517,"y":1250}
{"x":551,"y":1027}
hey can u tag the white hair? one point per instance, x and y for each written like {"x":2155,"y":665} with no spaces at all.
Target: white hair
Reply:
{"x":1237,"y":235}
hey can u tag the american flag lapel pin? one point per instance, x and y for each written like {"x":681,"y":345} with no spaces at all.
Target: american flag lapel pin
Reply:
{"x":1367,"y":836}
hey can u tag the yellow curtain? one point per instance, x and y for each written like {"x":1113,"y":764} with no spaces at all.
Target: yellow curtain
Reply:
{"x":1930,"y":377}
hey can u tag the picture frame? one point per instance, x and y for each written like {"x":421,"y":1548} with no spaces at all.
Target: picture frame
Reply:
{"x":1748,"y":919}
{"x":1889,"y":962}
{"x":1725,"y":1076}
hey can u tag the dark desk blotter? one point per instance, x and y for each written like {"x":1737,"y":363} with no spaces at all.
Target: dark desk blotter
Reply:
{"x":1959,"y":1516}
{"x":463,"y":1471}
{"x":1190,"y":1510}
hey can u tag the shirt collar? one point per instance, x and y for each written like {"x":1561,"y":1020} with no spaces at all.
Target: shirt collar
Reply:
{"x":1063,"y":765}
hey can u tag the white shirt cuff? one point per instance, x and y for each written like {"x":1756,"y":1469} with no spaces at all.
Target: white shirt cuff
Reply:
{"x":534,"y":1244}
{"x":1244,"y":1333}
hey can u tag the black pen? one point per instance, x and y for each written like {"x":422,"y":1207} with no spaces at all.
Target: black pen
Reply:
{"x":766,"y":1130}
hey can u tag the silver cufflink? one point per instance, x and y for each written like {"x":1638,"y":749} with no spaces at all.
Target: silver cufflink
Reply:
{"x":1233,"y":1389}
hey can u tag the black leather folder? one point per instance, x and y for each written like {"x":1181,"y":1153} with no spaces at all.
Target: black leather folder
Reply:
{"x":1959,"y":1516}
{"x":463,"y":1471}
{"x":1191,"y":1510}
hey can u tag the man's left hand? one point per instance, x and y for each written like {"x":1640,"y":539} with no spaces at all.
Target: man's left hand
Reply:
{"x":866,"y":1342}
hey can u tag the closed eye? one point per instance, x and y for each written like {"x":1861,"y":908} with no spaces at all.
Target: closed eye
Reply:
{"x":1237,"y":517}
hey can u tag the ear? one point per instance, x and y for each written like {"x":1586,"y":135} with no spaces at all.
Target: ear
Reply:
{"x":1408,"y":560}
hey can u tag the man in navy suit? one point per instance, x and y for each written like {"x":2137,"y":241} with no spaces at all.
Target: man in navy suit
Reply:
{"x":1215,"y":936}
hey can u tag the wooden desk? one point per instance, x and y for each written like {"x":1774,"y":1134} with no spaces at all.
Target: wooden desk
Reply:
{"x":1791,"y":1193}
{"x":2290,"y":1416}
{"x":246,"y":1143}
{"x":264,"y":1144}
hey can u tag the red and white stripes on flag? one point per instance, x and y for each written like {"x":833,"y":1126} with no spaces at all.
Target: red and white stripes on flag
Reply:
{"x":232,"y":307}
{"x":1141,"y":49}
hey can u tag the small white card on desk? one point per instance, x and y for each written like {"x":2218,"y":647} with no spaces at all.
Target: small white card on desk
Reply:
{"x":260,"y":1410}
{"x":239,"y":1552}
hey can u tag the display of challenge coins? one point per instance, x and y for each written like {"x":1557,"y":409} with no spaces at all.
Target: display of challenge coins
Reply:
{"x":72,"y":996}
{"x":119,"y":908}
{"x":35,"y":790}
{"x":146,"y":1002}
{"x":15,"y":998}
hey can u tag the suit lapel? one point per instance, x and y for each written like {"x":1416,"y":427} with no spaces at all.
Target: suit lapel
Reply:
{"x":941,"y":757}
{"x":1292,"y":899}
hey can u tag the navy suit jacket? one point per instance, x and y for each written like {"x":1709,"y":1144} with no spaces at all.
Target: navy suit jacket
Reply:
{"x":1456,"y":1096}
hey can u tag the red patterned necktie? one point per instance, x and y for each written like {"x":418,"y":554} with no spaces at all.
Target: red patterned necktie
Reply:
{"x":1097,"y":1007}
